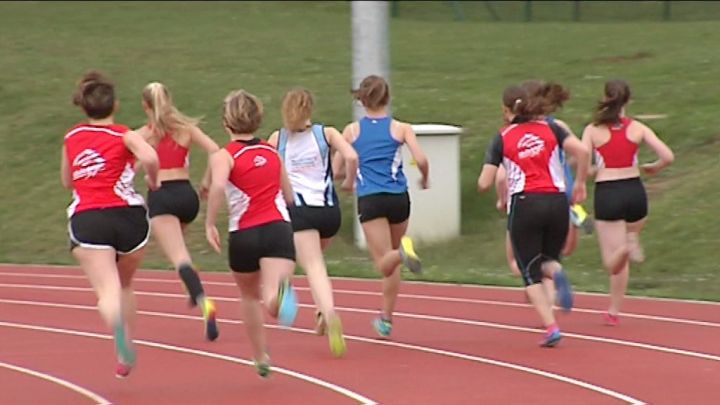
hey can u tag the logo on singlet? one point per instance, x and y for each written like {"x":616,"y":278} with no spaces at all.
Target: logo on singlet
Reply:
{"x":530,"y":145}
{"x":87,"y":164}
{"x":259,"y":161}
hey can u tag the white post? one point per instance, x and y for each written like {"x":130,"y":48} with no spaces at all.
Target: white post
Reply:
{"x":371,"y":55}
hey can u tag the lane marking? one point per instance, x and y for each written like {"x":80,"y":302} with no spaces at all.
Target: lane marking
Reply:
{"x":375,"y":280}
{"x":446,"y":353}
{"x":658,"y":318}
{"x":158,"y":345}
{"x":99,"y":400}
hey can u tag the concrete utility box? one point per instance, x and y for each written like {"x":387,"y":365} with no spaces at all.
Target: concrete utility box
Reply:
{"x":435,"y":212}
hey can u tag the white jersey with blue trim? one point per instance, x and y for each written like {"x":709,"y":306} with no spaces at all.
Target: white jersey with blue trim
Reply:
{"x":306,"y":156}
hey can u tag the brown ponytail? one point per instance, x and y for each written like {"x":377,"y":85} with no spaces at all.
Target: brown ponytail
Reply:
{"x":373,"y":92}
{"x":617,"y":94}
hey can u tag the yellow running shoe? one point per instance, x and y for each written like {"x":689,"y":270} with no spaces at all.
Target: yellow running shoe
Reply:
{"x":409,"y":257}
{"x":336,"y":338}
{"x":210,"y":318}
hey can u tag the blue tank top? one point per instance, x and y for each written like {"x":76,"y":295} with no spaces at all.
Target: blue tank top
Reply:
{"x":380,"y":168}
{"x":569,"y":179}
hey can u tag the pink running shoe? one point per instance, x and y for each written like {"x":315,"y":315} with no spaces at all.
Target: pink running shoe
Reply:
{"x":122,"y":370}
{"x":610,"y":319}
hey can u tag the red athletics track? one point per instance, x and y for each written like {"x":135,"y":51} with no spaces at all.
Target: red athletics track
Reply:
{"x":451,"y":344}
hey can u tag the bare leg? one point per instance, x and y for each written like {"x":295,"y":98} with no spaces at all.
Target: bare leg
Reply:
{"x":249,"y":284}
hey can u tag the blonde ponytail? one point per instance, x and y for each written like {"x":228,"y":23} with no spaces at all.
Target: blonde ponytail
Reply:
{"x":164,"y":117}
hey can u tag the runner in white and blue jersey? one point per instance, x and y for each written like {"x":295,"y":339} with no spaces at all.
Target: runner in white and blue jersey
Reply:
{"x":383,"y":199}
{"x":305,"y":149}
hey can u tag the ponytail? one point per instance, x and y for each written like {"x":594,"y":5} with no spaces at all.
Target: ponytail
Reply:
{"x":164,"y":117}
{"x":617,"y":94}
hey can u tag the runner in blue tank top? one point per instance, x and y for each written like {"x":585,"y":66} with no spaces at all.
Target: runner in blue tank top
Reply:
{"x":381,"y":187}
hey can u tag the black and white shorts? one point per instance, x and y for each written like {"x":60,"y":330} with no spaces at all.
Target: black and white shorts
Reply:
{"x":124,"y":229}
{"x":394,"y":207}
{"x":325,"y":220}
{"x":174,"y":197}
{"x":247,"y":246}
{"x":621,"y":200}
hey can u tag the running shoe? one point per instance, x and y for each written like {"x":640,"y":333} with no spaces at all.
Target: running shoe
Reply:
{"x":552,"y":338}
{"x":125,"y":352}
{"x":287,"y":304}
{"x":382,"y":326}
{"x":580,"y":218}
{"x":263,"y":367}
{"x":336,"y":338}
{"x":320,"y":325}
{"x":210,"y":316}
{"x":564,"y":290}
{"x":409,"y":258}
{"x":610,"y":319}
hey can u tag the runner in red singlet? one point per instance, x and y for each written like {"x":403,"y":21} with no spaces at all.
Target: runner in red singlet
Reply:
{"x":176,"y":204}
{"x":620,"y":199}
{"x":108,"y":222}
{"x":530,"y":150}
{"x":260,"y":244}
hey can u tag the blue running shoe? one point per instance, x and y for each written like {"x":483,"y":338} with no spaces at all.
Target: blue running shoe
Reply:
{"x":552,"y":339}
{"x":287,"y":304}
{"x":382,"y":326}
{"x":564,"y":290}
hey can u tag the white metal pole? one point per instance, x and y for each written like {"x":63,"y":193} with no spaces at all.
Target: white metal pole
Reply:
{"x":370,"y":56}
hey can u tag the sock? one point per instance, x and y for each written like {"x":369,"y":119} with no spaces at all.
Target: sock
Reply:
{"x":552,"y":328}
{"x":194,"y":287}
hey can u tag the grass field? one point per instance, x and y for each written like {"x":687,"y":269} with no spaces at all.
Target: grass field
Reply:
{"x":442,"y":71}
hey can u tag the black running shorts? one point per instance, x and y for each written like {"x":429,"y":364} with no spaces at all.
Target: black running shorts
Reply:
{"x":247,"y":246}
{"x":174,"y":197}
{"x":124,"y":229}
{"x":538,"y":225}
{"x":394,"y":207}
{"x":621,"y":200}
{"x":326,"y":220}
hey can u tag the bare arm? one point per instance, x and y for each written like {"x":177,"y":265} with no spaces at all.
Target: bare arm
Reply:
{"x":273,"y":139}
{"x":417,"y":154}
{"x":347,"y":153}
{"x":587,"y":141}
{"x":286,"y":186}
{"x":501,"y":188}
{"x":220,"y":165}
{"x":664,"y":153}
{"x":146,"y":155}
{"x":200,"y":138}
{"x":581,"y":153}
{"x":65,"y":176}
{"x":487,"y":177}
{"x":338,"y":162}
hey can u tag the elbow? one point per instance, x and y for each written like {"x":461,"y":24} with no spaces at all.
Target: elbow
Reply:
{"x":483,"y":186}
{"x":669,"y":159}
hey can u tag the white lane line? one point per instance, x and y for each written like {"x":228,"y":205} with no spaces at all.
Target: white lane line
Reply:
{"x":425,"y":349}
{"x":99,"y":400}
{"x":158,"y":345}
{"x":591,"y":338}
{"x":408,"y":296}
{"x":375,"y":280}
